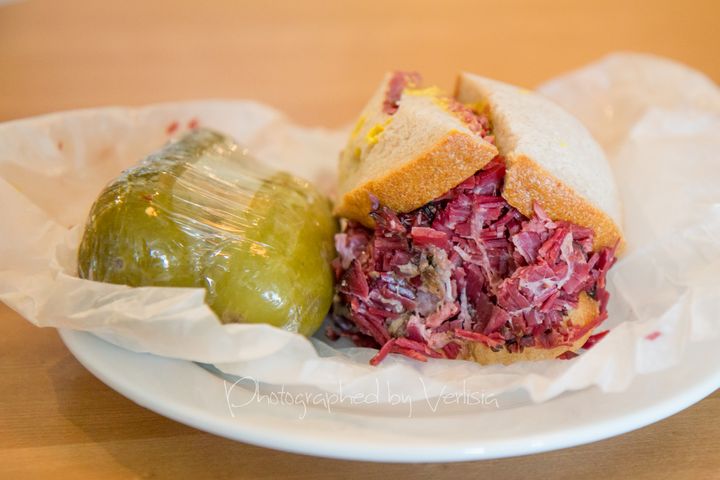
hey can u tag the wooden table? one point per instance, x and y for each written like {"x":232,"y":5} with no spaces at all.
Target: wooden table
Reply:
{"x":317,"y":61}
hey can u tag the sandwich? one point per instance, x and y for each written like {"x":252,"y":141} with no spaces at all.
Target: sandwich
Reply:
{"x":477,"y":226}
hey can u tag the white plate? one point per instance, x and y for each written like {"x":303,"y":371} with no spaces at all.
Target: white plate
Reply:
{"x":462,"y":430}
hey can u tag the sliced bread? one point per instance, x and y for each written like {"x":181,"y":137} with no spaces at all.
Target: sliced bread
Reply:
{"x":407,"y":158}
{"x":551,"y":158}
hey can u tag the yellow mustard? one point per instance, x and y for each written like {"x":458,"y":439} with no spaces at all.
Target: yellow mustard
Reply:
{"x":374,"y":133}
{"x":358,"y":126}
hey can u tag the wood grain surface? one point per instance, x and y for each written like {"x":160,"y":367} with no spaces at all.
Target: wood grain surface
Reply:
{"x":317,"y":61}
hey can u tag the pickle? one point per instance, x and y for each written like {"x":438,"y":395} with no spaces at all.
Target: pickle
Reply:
{"x":202,"y":213}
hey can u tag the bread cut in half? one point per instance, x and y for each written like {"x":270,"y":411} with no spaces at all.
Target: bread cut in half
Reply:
{"x":413,"y":156}
{"x":409,"y":157}
{"x":423,"y":149}
{"x":551,"y":158}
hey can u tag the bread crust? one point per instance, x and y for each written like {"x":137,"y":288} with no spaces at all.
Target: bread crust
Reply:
{"x":533,"y":133}
{"x":527,"y":182}
{"x":448,"y":163}
{"x":585,"y":313}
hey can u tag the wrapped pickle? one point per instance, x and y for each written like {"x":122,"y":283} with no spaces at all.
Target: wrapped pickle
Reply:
{"x":202,"y":213}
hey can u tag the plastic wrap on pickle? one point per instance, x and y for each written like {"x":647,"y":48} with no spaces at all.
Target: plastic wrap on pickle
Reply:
{"x":202,"y":213}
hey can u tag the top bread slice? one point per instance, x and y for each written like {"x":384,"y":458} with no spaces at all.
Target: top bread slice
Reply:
{"x":408,"y":158}
{"x":416,"y":155}
{"x":551,"y":158}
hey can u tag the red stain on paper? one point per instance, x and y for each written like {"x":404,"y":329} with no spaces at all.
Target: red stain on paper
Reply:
{"x":193,"y":124}
{"x":652,"y":335}
{"x":172,"y":128}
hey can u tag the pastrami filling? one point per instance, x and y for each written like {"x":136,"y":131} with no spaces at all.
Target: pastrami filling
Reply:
{"x":466,"y":267}
{"x":397,"y":84}
{"x":477,"y":122}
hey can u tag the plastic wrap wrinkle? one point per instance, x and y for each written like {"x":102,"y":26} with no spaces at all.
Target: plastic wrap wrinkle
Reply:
{"x":658,"y":121}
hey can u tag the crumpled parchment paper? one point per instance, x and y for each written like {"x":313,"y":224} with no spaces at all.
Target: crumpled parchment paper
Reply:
{"x":658,"y":121}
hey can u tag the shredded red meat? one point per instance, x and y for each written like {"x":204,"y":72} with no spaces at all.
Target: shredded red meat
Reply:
{"x":477,"y":122}
{"x":465,"y":267}
{"x":398,"y":82}
{"x":569,"y":355}
{"x":594,"y":339}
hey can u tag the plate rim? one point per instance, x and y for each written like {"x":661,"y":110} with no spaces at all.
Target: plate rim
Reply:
{"x":272,"y":438}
